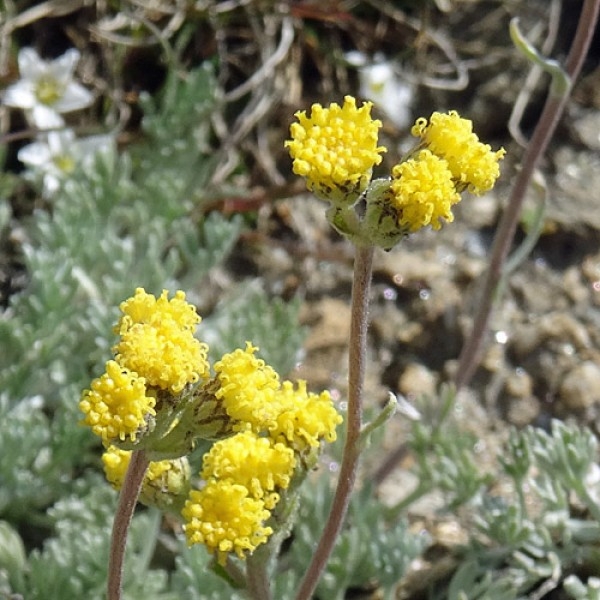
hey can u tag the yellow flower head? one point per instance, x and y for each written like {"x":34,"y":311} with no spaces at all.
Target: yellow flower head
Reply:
{"x":474,"y":165}
{"x":145,"y":308}
{"x":164,"y":483}
{"x":117,"y":405}
{"x":257,"y":463}
{"x":225,"y":518}
{"x":304,"y":418}
{"x":167,"y":356}
{"x":247,"y":386}
{"x":423,"y":192}
{"x":335,"y":149}
{"x":157,"y":340}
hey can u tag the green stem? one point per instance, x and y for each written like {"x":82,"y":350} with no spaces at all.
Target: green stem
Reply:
{"x":258,"y":583}
{"x":546,"y":126}
{"x":561,"y":83}
{"x":379,"y":421}
{"x":363,"y":267}
{"x":393,"y":512}
{"x":124,"y":513}
{"x":233,"y":571}
{"x":519,"y":484}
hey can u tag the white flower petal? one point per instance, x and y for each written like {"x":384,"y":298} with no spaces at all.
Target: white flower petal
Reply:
{"x":20,"y":95}
{"x":379,"y":83}
{"x":75,"y":97}
{"x":63,"y":66}
{"x":356,"y":58}
{"x":51,"y":184}
{"x":35,"y":155}
{"x":30,"y":64}
{"x":44,"y":117}
{"x":62,"y":142}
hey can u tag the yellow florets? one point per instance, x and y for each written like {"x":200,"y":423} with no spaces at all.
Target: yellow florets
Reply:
{"x":247,"y":386}
{"x":247,"y":473}
{"x":304,"y":419}
{"x":257,"y":463}
{"x":254,"y":397}
{"x":145,"y":308}
{"x":167,"y":356}
{"x":225,"y":518}
{"x":335,"y":149}
{"x":473,"y":164}
{"x":117,"y":405}
{"x":157,"y":340}
{"x":423,"y":192}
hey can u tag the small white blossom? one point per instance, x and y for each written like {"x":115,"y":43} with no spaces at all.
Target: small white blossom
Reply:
{"x":56,"y":155}
{"x":380,"y":84}
{"x":47,"y":88}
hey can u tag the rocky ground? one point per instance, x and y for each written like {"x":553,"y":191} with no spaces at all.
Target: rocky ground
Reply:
{"x":542,"y":358}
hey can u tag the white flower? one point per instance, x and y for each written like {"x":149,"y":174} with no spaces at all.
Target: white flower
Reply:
{"x":57,"y":154}
{"x":47,"y":89}
{"x":380,"y":84}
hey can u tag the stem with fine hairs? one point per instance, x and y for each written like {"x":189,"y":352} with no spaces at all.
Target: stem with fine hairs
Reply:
{"x":555,"y":104}
{"x":471,"y":352}
{"x":363,"y":267}
{"x":124,"y":513}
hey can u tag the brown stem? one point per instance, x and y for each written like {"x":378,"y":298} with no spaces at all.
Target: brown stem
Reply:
{"x":553,"y":109}
{"x":363,"y":266}
{"x":258,"y":584}
{"x":124,"y":513}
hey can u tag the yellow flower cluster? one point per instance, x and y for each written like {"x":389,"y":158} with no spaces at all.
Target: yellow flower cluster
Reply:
{"x":335,"y":149}
{"x":225,"y":518}
{"x":303,"y":418}
{"x":255,"y":398}
{"x":474,"y":165}
{"x":157,"y":340}
{"x":118,"y":404}
{"x":267,"y":430}
{"x":247,"y":386}
{"x":423,"y":192}
{"x":277,"y":424}
{"x":257,"y":463}
{"x":165,"y":481}
{"x":157,"y":351}
{"x":248,"y":471}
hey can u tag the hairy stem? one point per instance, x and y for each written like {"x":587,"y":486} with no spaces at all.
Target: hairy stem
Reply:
{"x":258,"y":584}
{"x":553,"y":110}
{"x":363,"y":265}
{"x":124,"y":513}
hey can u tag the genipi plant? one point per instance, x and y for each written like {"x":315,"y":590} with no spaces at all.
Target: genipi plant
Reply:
{"x":157,"y":399}
{"x":335,"y":150}
{"x":158,"y":396}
